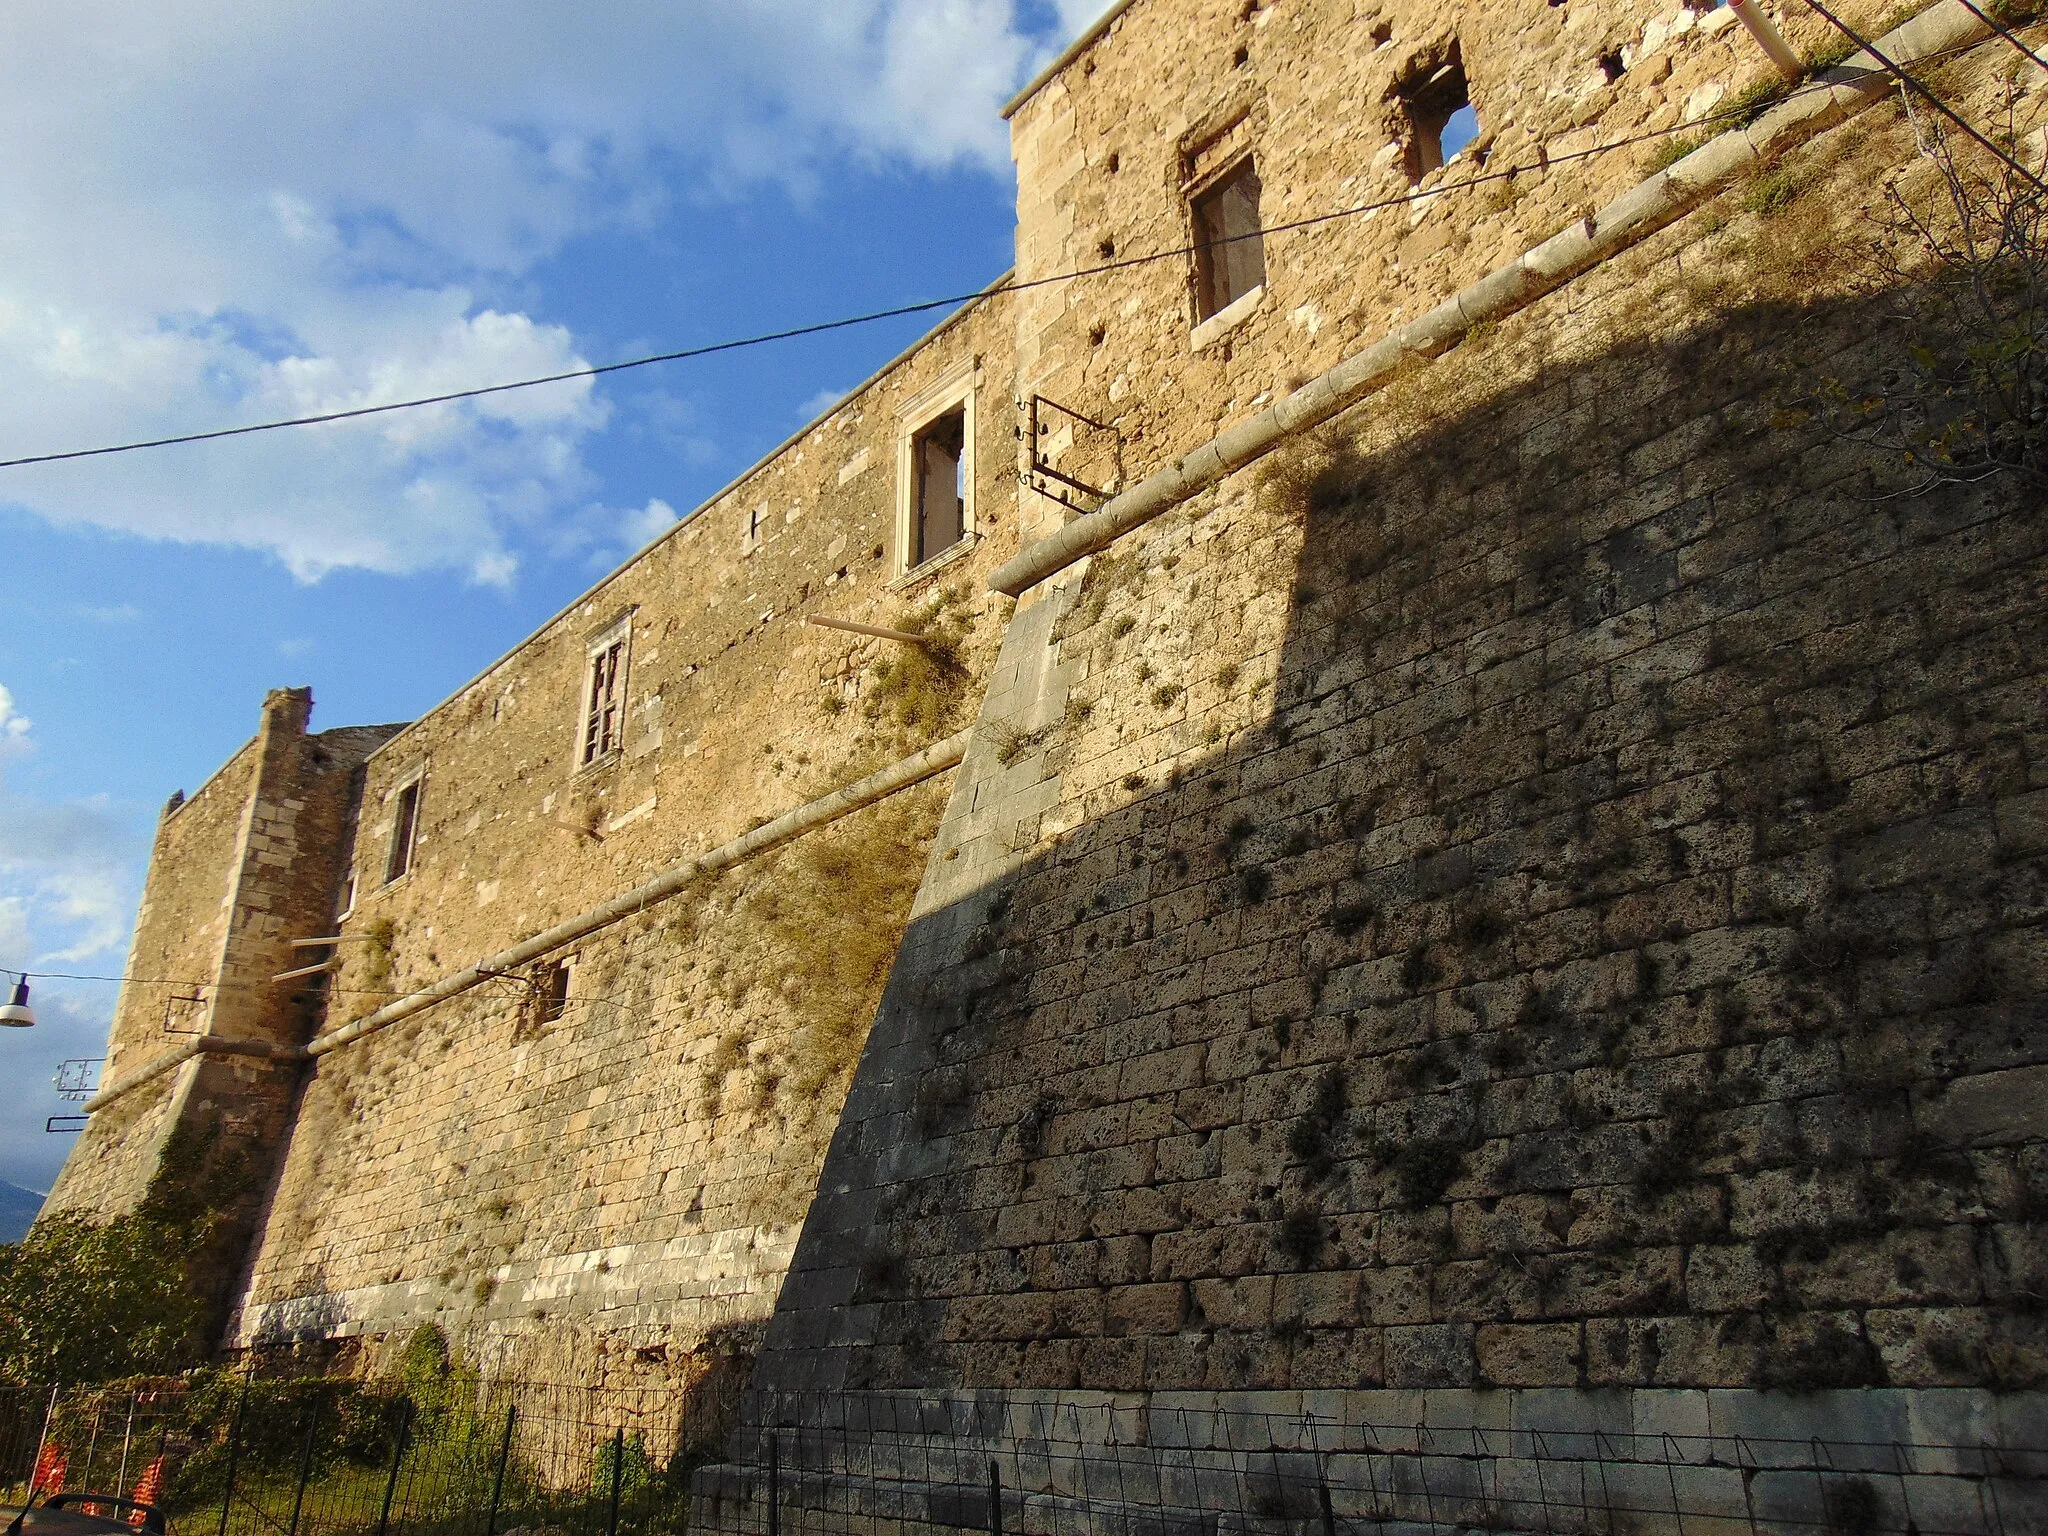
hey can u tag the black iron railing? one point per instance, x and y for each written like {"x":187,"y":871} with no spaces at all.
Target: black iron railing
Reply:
{"x":333,"y":1459}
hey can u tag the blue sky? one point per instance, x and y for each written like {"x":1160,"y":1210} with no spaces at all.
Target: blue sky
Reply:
{"x":224,"y":211}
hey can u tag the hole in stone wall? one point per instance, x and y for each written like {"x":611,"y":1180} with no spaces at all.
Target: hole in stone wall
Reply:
{"x":1611,"y":66}
{"x":1383,"y":31}
{"x":1114,"y":162}
{"x":1105,"y":248}
{"x":1240,"y":58}
{"x":1440,"y":120}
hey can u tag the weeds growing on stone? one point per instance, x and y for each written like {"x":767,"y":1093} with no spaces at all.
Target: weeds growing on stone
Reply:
{"x":1301,"y":1237}
{"x":1352,"y":918}
{"x":919,"y":688}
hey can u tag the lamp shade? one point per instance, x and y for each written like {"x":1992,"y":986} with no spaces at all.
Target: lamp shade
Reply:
{"x":18,"y":1014}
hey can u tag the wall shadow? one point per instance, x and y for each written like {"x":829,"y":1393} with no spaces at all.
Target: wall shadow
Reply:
{"x":1597,"y":971}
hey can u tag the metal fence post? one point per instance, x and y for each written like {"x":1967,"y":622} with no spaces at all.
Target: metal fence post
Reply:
{"x":43,"y":1439}
{"x":227,"y":1498}
{"x":774,"y":1472}
{"x":397,"y":1456}
{"x":498,"y":1482}
{"x":305,"y":1464}
{"x":995,"y":1498}
{"x":127,"y":1439}
{"x":611,"y":1525}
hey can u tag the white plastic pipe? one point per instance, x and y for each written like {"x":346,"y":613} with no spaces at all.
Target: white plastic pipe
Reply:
{"x":1768,"y":38}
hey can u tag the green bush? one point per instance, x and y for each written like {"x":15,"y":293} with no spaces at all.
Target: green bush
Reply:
{"x":84,"y":1301}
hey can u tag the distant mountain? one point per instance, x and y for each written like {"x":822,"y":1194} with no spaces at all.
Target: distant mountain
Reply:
{"x":18,"y":1208}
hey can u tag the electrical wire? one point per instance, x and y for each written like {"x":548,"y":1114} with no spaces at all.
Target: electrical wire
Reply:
{"x":1926,"y":93}
{"x":821,"y":327}
{"x":2002,"y":30}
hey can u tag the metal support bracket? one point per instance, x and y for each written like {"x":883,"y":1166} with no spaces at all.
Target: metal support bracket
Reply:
{"x":1045,"y":420}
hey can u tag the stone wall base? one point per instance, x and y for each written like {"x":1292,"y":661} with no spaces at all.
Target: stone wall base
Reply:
{"x":1953,"y":1460}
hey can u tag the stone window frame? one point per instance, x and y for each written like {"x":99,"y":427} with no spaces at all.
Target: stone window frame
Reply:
{"x":414,"y":784}
{"x":1217,"y":147}
{"x":958,"y":388}
{"x":615,"y":631}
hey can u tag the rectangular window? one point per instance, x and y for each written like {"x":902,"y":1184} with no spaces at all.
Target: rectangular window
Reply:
{"x":604,"y":712}
{"x":1230,"y":251}
{"x":404,"y":826}
{"x":551,"y":994}
{"x":939,"y":453}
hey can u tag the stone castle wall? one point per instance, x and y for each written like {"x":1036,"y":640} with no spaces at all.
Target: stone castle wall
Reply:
{"x":616,"y":1191}
{"x":1534,"y":887}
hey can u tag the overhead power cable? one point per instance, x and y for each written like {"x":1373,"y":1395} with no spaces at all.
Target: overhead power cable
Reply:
{"x":2002,"y":30}
{"x":1925,"y":92}
{"x":896,"y":312}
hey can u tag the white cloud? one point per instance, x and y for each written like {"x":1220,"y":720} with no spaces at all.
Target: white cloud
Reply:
{"x":66,"y":879}
{"x":14,"y":726}
{"x":819,"y":404}
{"x":229,"y":211}
{"x":643,"y":527}
{"x":606,"y":536}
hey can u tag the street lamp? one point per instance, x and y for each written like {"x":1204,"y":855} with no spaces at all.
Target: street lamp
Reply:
{"x":18,"y":1014}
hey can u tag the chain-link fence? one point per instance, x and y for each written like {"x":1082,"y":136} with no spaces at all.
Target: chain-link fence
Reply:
{"x":902,"y":1467}
{"x":232,"y":1458}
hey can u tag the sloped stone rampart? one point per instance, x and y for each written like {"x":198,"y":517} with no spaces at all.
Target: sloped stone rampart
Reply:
{"x":1537,"y":890}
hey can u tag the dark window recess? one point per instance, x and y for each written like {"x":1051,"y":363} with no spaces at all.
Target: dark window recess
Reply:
{"x":403,"y":825}
{"x":939,"y":454}
{"x":1440,"y":117}
{"x":601,"y":719}
{"x":1230,"y":251}
{"x":551,"y":994}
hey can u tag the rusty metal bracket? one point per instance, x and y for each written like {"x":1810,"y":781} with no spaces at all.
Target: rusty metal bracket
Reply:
{"x":1045,"y":418}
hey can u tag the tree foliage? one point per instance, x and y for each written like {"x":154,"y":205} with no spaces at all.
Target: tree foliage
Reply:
{"x":84,"y":1301}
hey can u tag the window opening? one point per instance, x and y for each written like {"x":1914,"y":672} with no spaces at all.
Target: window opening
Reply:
{"x":754,"y":527}
{"x":601,"y":716}
{"x":403,"y":826}
{"x":1441,"y":119}
{"x":1230,"y":251}
{"x":551,"y":994}
{"x":939,"y":452}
